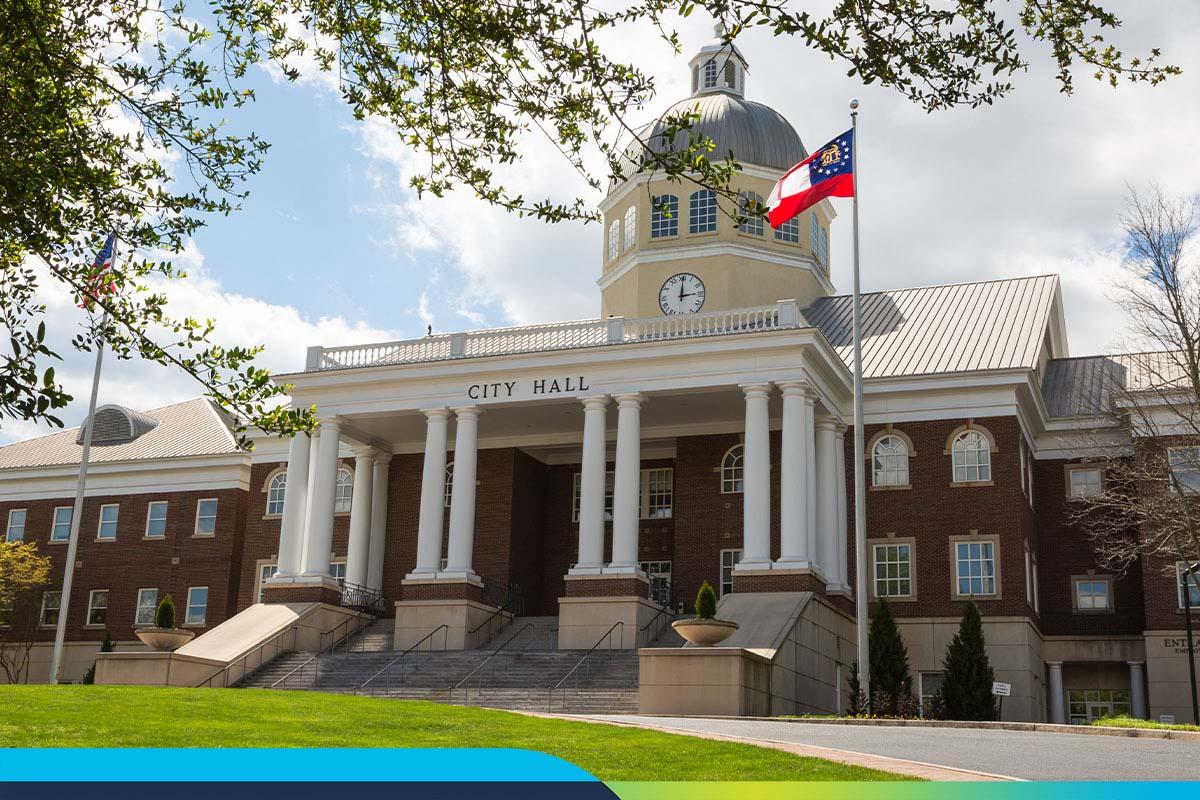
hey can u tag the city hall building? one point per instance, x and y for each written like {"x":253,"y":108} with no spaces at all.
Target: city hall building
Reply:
{"x":600,"y":470}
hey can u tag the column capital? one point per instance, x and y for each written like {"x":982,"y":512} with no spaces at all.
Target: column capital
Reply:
{"x":382,"y":457}
{"x":794,"y":388}
{"x":467,"y":412}
{"x":1136,"y":663}
{"x":436,"y":413}
{"x":329,"y":423}
{"x":596,"y":402}
{"x":629,"y":400}
{"x":756,"y":389}
{"x":825,"y":424}
{"x":1054,"y":664}
{"x":839,"y":428}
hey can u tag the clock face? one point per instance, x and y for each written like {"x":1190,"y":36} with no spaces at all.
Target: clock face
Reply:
{"x":681,"y":294}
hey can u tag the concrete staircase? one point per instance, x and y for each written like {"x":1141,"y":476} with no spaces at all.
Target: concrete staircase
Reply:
{"x":519,"y":676}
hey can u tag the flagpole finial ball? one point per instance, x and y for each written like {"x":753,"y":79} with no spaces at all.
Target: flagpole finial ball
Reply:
{"x":854,"y":104}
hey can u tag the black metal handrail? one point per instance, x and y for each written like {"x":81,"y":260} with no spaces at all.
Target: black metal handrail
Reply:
{"x":275,"y":642}
{"x":584,"y":662}
{"x":645,"y":637}
{"x":489,"y":660}
{"x":334,"y":641}
{"x":510,"y":600}
{"x":362,"y":598}
{"x":445,"y":629}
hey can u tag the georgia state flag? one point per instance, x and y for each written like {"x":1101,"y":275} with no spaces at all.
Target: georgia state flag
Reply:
{"x":829,"y":172}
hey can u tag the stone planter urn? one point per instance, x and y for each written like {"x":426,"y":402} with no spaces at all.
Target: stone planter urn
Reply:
{"x":705,"y":632}
{"x":164,"y":639}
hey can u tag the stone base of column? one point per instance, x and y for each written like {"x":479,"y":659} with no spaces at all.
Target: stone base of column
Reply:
{"x":468,"y":624}
{"x":583,"y":620}
{"x":302,"y":589}
{"x":606,"y":585}
{"x":442,"y":588}
{"x":777,"y":580}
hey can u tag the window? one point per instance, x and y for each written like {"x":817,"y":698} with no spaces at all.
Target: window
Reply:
{"x":608,"y":496}
{"x":733,"y":470}
{"x":1192,"y":586}
{"x":51,"y":602}
{"x":710,"y":73}
{"x":1087,"y":705}
{"x":1036,"y":592}
{"x":343,"y":491}
{"x":789,"y":231}
{"x":97,"y":607}
{"x":614,"y":240}
{"x":1028,"y":576}
{"x":825,"y":248}
{"x":107,"y":528}
{"x":729,"y":560}
{"x":930,"y":685}
{"x":197,"y":605}
{"x":752,"y":207}
{"x":156,"y":520}
{"x":16,"y":525}
{"x":655,"y":494}
{"x":1021,"y":450}
{"x":337,"y":570}
{"x":265,"y":572}
{"x":972,"y":457}
{"x":1185,"y":467}
{"x":630,"y":226}
{"x":702,"y":211}
{"x":1093,"y":593}
{"x":61,"y":531}
{"x":893,"y":570}
{"x":659,"y":573}
{"x":664,"y":217}
{"x":889,"y":462}
{"x":1083,"y":481}
{"x":276,"y":492}
{"x":814,"y":237}
{"x":147,"y":604}
{"x":206,"y":517}
{"x":449,"y":487}
{"x":975,"y":568}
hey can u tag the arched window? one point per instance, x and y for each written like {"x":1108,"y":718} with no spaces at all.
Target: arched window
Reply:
{"x":664,"y":217}
{"x":749,"y":202}
{"x":630,"y":226}
{"x":275,"y":493}
{"x":731,"y":470}
{"x":343,"y":491}
{"x":710,"y":73}
{"x":449,"y":484}
{"x":889,"y":462}
{"x":789,"y":231}
{"x":972,"y":457}
{"x":614,"y":240}
{"x":703,"y":211}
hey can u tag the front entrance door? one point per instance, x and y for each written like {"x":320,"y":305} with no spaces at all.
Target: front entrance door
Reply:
{"x":1092,"y":704}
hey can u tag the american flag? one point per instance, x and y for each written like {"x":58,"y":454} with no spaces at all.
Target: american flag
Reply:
{"x":99,"y":281}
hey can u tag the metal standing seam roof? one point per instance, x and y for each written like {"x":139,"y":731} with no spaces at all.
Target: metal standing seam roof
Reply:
{"x":1085,"y":386}
{"x":963,"y":327}
{"x":191,"y":428}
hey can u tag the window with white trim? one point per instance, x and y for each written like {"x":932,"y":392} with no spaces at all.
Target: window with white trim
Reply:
{"x":577,"y":489}
{"x":206,"y":517}
{"x":975,"y":568}
{"x":337,"y":570}
{"x":61,"y":530}
{"x":1185,"y":467}
{"x":1037,"y":603}
{"x":449,"y":487}
{"x":1192,"y":585}
{"x":892,"y":570}
{"x":265,"y":573}
{"x":972,"y":457}
{"x":1093,"y":593}
{"x":343,"y":492}
{"x":107,"y":528}
{"x":630,"y":227}
{"x":51,"y":603}
{"x":659,"y":573}
{"x":15,"y":532}
{"x":825,"y":248}
{"x":1028,"y":576}
{"x":655,"y":494}
{"x":97,"y":611}
{"x":147,"y":604}
{"x":1021,"y":451}
{"x":156,"y":519}
{"x":752,"y":206}
{"x":710,"y":73}
{"x":729,"y":560}
{"x":733,"y":470}
{"x":814,"y":236}
{"x":197,"y":606}
{"x":928,"y":686}
{"x":789,"y":231}
{"x":889,"y":461}
{"x":614,"y":240}
{"x":702,"y":211}
{"x":276,"y":494}
{"x":1084,"y":481}
{"x":664,"y":216}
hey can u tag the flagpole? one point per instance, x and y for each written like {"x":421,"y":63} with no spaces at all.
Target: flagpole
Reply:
{"x":860,"y":479}
{"x":60,"y":630}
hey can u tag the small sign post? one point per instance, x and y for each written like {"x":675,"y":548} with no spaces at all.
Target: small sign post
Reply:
{"x":1001,"y":690}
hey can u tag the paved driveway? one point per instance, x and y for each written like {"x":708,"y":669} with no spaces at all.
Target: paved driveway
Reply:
{"x":1020,"y":754}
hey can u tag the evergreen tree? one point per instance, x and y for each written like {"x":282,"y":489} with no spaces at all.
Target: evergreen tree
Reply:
{"x":890,"y":678}
{"x":967,"y":686}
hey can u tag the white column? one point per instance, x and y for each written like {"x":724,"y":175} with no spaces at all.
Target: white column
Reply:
{"x":1137,"y":689}
{"x":320,"y":522}
{"x":591,"y":488}
{"x":379,"y":490}
{"x":810,"y":483}
{"x":827,"y":509}
{"x":793,"y":480}
{"x":841,"y":575}
{"x":314,"y":445}
{"x":1058,"y":714}
{"x":462,"y":494}
{"x":359,"y":545}
{"x":756,"y":494}
{"x":295,"y":501}
{"x":627,"y":483}
{"x":433,"y":490}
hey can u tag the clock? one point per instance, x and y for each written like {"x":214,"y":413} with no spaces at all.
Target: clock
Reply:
{"x":681,"y":294}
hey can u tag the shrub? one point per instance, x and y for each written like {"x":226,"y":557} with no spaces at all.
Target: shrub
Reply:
{"x":107,"y":646}
{"x":164,"y":615}
{"x":706,"y":602}
{"x":858,"y":698}
{"x":890,"y":678}
{"x":966,"y":689}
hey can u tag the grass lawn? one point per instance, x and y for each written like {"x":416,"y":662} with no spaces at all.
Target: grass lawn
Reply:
{"x":118,"y":716}
{"x":1130,"y":722}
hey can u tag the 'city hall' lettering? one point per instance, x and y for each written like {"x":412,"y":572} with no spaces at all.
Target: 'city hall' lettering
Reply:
{"x":491,"y":391}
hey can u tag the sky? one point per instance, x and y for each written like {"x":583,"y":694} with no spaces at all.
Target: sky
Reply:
{"x":333,"y":248}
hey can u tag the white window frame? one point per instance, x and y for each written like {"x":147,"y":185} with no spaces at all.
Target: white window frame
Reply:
{"x":188,"y":622}
{"x":661,"y":571}
{"x":1085,"y":469}
{"x":726,"y":569}
{"x":630,"y":228}
{"x":57,"y":608}
{"x":93,"y":595}
{"x":733,"y":470}
{"x":702,"y":211}
{"x":985,"y":545}
{"x":899,"y":562}
{"x":709,"y":74}
{"x":1194,"y":583}
{"x":216,"y":509}
{"x":893,"y":464}
{"x":337,"y":569}
{"x":664,"y":216}
{"x":343,"y":491}
{"x":101,"y":522}
{"x":150,"y":518}
{"x":260,"y":568}
{"x":1078,"y":604}
{"x":646,"y":505}
{"x":1028,"y":576}
{"x":54,"y":524}
{"x":8,"y":531}
{"x":652,"y":498}
{"x":924,"y":696}
{"x":614,"y":240}
{"x":979,"y":469}
{"x":448,"y":489}
{"x":789,"y":231}
{"x":276,"y":494}
{"x":1021,"y":450}
{"x":754,"y":223}
{"x":1184,"y":463}
{"x":1037,"y":603}
{"x":140,"y":606}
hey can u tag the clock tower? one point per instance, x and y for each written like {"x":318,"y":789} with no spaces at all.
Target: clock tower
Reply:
{"x":674,"y":247}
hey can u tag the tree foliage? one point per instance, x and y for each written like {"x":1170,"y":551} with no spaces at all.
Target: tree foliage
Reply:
{"x":23,"y":573}
{"x":123,"y":117}
{"x":966,"y":691}
{"x":164,"y":613}
{"x":891,"y":681}
{"x":706,"y":602}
